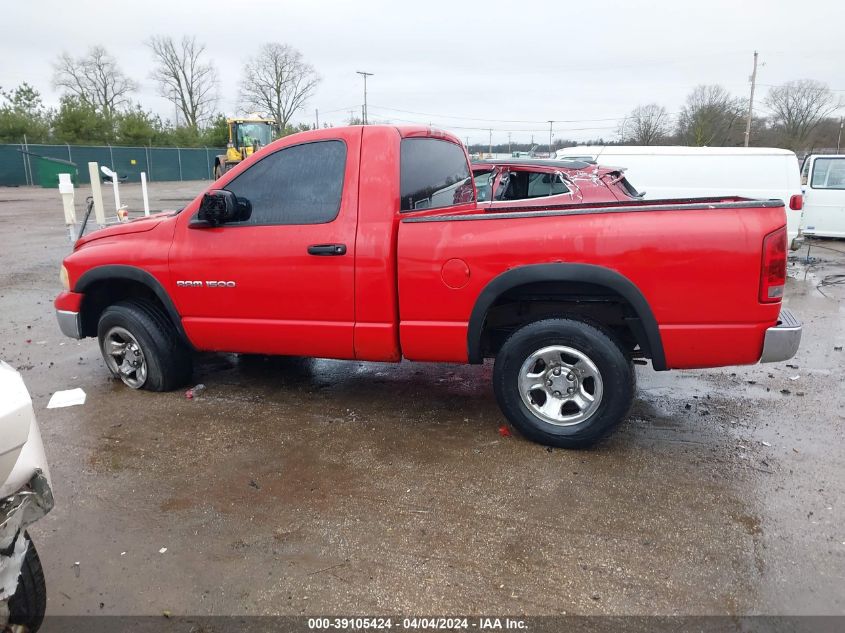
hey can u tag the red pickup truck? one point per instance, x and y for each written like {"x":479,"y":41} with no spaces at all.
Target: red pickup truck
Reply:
{"x":368,"y":243}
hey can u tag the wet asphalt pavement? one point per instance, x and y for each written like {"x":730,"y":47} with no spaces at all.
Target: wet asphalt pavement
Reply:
{"x":321,"y":487}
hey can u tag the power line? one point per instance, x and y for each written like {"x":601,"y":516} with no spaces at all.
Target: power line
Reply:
{"x":782,"y":85}
{"x":343,"y":109}
{"x":469,"y":118}
{"x":389,"y":118}
{"x":495,"y":129}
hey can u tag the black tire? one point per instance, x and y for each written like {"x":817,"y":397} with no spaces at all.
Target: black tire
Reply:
{"x":615,"y":371}
{"x":217,"y":172}
{"x":169,"y":363}
{"x":28,"y":604}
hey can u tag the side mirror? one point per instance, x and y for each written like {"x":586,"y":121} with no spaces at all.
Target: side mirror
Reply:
{"x":219,"y":206}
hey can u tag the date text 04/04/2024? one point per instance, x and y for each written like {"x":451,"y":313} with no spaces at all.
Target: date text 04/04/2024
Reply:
{"x":414,"y":623}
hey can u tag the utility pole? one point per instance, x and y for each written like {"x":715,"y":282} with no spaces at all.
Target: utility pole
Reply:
{"x":490,"y":151}
{"x":839,"y":138}
{"x":364,"y":110}
{"x":751,"y":101}
{"x":317,"y":116}
{"x":509,"y":143}
{"x":550,"y":138}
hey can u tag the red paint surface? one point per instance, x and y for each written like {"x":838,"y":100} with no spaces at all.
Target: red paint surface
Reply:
{"x":391,"y":295}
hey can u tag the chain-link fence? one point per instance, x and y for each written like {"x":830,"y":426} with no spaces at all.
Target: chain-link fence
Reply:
{"x":19,"y":163}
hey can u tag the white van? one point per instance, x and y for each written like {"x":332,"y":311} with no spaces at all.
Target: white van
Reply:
{"x":692,"y":172}
{"x":823,"y":177}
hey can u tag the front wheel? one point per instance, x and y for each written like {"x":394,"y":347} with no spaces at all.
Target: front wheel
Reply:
{"x":140,"y":346}
{"x":563,"y":382}
{"x":29,"y":602}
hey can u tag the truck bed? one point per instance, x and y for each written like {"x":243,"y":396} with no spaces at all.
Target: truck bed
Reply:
{"x":624,"y":206}
{"x":695,"y":261}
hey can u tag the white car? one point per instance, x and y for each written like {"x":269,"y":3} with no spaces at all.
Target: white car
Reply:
{"x":25,"y":497}
{"x":662,"y":172}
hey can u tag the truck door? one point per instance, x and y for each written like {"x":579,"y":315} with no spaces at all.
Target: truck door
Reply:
{"x":824,"y":196}
{"x":281,"y":281}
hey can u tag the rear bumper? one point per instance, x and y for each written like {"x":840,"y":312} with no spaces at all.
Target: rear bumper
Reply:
{"x":782,"y":340}
{"x":69,"y":323}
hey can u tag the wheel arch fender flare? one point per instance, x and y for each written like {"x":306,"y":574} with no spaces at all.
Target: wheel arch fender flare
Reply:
{"x":565,"y":272}
{"x":112,"y":272}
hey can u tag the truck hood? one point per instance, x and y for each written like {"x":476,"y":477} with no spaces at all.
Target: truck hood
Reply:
{"x":139,"y":225}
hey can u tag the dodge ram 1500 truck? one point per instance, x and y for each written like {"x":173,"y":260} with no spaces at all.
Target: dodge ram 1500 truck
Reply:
{"x":368,"y":243}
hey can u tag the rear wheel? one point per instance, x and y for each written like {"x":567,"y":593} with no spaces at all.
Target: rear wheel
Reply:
{"x":563,"y":383}
{"x":28,"y":604}
{"x":140,"y":346}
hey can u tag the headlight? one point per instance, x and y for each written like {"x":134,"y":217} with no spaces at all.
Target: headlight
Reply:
{"x":63,"y":277}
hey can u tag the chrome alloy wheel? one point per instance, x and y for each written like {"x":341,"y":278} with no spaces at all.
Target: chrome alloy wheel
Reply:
{"x":124,"y":356}
{"x":560,"y":385}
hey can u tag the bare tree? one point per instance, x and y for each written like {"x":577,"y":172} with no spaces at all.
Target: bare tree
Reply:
{"x":646,"y":125}
{"x":278,"y":81}
{"x":94,"y":79}
{"x":185,"y":78}
{"x":710,"y":116}
{"x":797,"y":108}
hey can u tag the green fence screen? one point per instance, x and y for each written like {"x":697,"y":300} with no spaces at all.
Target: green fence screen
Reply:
{"x":19,"y":162}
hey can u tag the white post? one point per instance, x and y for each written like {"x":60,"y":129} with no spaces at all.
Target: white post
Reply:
{"x":114,"y":185}
{"x":66,"y":191}
{"x":119,"y":211}
{"x":97,"y":194}
{"x":144,"y":193}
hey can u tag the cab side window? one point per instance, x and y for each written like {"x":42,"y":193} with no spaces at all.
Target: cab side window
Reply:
{"x":434,"y":173}
{"x":301,"y":184}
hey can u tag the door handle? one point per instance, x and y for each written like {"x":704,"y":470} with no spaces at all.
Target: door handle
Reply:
{"x":327,"y":249}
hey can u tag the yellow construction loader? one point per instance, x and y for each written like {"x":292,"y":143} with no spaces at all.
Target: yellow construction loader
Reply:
{"x":246,"y":136}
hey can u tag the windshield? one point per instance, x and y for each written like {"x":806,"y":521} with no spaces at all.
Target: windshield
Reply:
{"x":257,"y":134}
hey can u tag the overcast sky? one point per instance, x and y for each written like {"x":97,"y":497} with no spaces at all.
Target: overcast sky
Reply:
{"x":457,"y":64}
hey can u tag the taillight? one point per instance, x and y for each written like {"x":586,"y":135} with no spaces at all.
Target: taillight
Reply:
{"x":796,"y":202}
{"x":773,"y":273}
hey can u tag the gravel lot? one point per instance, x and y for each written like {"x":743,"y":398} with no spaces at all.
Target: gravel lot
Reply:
{"x":324,"y":487}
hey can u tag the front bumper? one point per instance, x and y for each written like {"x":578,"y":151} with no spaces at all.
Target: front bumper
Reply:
{"x":68,"y":312}
{"x":69,"y":323}
{"x":782,"y":340}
